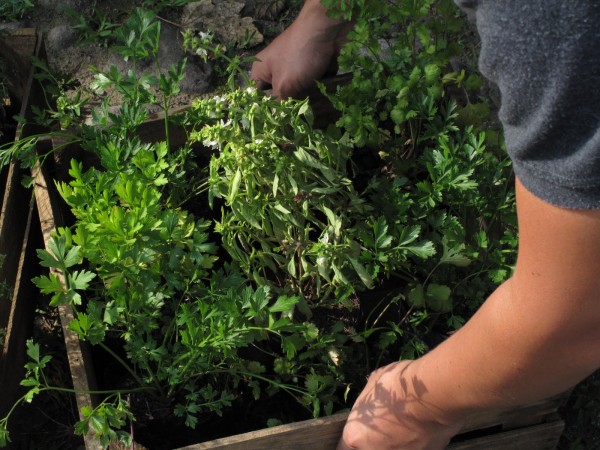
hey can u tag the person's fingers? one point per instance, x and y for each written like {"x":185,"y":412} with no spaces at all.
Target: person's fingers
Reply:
{"x":260,"y":84}
{"x":261,"y":73}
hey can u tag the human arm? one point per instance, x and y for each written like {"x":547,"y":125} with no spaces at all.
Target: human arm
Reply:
{"x":303,"y":53}
{"x":537,"y":335}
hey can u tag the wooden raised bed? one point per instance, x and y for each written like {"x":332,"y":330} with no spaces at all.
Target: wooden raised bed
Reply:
{"x":25,"y":225}
{"x":19,"y":233}
{"x":530,"y":427}
{"x":535,"y":426}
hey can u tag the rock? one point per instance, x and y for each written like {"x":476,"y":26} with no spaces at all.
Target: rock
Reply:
{"x":264,"y":9}
{"x":222,"y":17}
{"x":61,"y":47}
{"x":197,"y":73}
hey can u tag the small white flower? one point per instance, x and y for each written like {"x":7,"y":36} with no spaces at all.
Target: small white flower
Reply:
{"x":250,"y":90}
{"x":212,"y":144}
{"x":205,"y":36}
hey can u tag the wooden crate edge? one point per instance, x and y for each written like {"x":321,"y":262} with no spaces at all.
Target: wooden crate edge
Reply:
{"x":324,"y":433}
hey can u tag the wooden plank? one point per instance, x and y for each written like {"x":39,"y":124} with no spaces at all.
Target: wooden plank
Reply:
{"x":11,"y":224}
{"x":315,"y":434}
{"x":16,"y":48}
{"x":537,"y":437}
{"x":510,"y":418}
{"x":14,"y":217}
{"x":324,"y":433}
{"x":78,"y":353}
{"x":18,"y":224}
{"x":19,"y":324}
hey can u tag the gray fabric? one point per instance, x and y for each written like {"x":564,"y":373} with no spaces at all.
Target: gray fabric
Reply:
{"x":544,"y":55}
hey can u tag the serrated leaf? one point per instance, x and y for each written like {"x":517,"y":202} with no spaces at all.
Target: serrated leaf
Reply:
{"x":96,"y":423}
{"x":256,"y":367}
{"x":50,"y":284}
{"x":424,"y":249}
{"x":453,"y":256}
{"x":31,"y":393}
{"x":27,"y":382}
{"x":284,"y":304}
{"x":47,"y":259}
{"x":81,"y":280}
{"x":33,"y":350}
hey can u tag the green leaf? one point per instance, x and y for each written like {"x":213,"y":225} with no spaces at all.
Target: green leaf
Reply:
{"x":33,"y":350}
{"x":47,"y":260}
{"x":81,"y":280}
{"x":235,"y":185}
{"x":364,"y":276}
{"x":27,"y":382}
{"x":417,"y":296}
{"x":282,"y":209}
{"x":453,"y":256}
{"x":48,"y":285}
{"x":31,"y":393}
{"x":284,"y":304}
{"x":256,"y":367}
{"x":4,"y":435}
{"x":438,"y":297}
{"x":424,"y":249}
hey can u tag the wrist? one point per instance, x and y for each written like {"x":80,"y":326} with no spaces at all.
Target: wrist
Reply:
{"x":314,"y":16}
{"x":423,"y":399}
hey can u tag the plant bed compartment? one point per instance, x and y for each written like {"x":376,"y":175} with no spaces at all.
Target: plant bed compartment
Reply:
{"x":534,"y":426}
{"x":19,"y":233}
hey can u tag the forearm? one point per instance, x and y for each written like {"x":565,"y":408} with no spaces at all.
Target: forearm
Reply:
{"x":505,"y":357}
{"x":538,"y":334}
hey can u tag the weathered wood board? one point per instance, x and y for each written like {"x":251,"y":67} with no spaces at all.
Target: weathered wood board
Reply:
{"x":17,"y":229}
{"x":22,"y":214}
{"x":531,"y":433}
{"x":78,"y":353}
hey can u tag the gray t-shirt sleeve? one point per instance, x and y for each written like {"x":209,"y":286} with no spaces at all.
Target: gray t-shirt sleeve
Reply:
{"x":544,"y":55}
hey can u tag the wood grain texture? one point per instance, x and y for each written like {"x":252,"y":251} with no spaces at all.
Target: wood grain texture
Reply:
{"x":324,"y":433}
{"x":16,"y":228}
{"x":536,"y":437}
{"x":78,"y":353}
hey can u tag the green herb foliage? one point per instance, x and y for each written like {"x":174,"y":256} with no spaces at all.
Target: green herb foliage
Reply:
{"x":405,"y":194}
{"x":13,"y":10}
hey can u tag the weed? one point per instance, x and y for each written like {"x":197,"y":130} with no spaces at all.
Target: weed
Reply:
{"x":13,"y":10}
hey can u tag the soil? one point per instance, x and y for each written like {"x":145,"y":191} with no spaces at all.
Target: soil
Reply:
{"x":230,"y":20}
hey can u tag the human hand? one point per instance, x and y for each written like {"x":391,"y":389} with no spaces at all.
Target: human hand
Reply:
{"x":390,"y":414}
{"x":302,"y":54}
